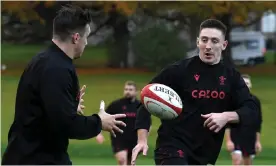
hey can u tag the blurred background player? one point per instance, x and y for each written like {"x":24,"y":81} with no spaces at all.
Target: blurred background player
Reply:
{"x":244,"y":142}
{"x":123,"y":144}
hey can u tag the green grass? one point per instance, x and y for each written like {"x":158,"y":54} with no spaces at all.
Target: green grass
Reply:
{"x":109,"y":87}
{"x":17,"y":56}
{"x":270,"y":58}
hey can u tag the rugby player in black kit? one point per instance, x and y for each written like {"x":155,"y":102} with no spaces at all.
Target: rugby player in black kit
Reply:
{"x":244,"y":142}
{"x":49,"y":98}
{"x":207,"y":88}
{"x":123,"y":144}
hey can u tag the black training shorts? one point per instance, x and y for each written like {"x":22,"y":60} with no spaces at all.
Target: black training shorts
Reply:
{"x":172,"y":156}
{"x":244,"y":144}
{"x":120,"y":144}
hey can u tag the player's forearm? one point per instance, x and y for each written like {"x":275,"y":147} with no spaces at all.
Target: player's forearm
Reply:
{"x":248,"y":113}
{"x":258,"y":137}
{"x":143,"y":119}
{"x":227,"y":135}
{"x":232,"y":117}
{"x":142,"y":136}
{"x":85,"y":127}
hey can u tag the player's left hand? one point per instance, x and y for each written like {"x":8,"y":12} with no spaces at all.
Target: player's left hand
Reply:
{"x":81,"y":106}
{"x":100,"y":138}
{"x":258,"y":147}
{"x":215,"y":121}
{"x":110,"y":122}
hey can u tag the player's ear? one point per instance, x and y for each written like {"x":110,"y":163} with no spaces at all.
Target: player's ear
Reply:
{"x":224,"y":45}
{"x":75,"y":38}
{"x":197,"y":41}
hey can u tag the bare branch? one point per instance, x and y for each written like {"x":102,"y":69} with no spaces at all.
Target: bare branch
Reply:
{"x":99,"y":27}
{"x":177,"y":16}
{"x":252,"y":22}
{"x":108,"y":21}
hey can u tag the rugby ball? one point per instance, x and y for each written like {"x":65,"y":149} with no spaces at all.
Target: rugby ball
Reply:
{"x":161,"y":101}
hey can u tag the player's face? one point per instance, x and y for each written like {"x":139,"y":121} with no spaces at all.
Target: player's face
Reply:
{"x":211,"y":42}
{"x":129,"y":91}
{"x":80,"y":42}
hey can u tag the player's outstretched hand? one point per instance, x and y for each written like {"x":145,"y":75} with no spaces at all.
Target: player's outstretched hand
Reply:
{"x":215,"y":121}
{"x":81,"y":106}
{"x":137,"y":149}
{"x":109,"y":122}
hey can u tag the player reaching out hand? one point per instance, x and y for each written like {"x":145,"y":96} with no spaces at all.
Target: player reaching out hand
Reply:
{"x":109,"y":122}
{"x":81,"y":106}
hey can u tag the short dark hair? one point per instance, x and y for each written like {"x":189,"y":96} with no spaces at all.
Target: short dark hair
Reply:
{"x":70,"y":19}
{"x":213,"y":23}
{"x":131,"y":83}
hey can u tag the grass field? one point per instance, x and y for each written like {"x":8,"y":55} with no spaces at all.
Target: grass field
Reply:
{"x":17,"y":56}
{"x":108,"y":86}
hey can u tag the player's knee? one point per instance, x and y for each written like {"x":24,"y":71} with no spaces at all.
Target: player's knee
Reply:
{"x":121,"y":157}
{"x":247,"y":160}
{"x":236,"y":159}
{"x":237,"y":162}
{"x":122,"y":160}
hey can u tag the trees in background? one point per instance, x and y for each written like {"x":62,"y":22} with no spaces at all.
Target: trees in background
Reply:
{"x":116,"y":14}
{"x":28,"y":22}
{"x":231,"y":13}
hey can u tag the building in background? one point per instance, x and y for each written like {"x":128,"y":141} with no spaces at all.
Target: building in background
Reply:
{"x":268,"y":28}
{"x":268,"y":23}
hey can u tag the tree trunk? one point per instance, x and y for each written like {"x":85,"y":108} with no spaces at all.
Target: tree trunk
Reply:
{"x":194,"y":31}
{"x":130,"y":55}
{"x":118,"y":50}
{"x":121,"y":35}
{"x":48,"y":14}
{"x":227,"y":53}
{"x":274,"y":47}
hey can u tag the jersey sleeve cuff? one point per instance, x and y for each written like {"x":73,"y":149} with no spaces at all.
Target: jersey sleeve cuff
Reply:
{"x":142,"y":127}
{"x":241,"y":115}
{"x":98,"y":123}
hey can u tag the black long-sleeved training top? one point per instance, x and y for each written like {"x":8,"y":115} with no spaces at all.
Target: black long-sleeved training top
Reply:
{"x":46,"y":112}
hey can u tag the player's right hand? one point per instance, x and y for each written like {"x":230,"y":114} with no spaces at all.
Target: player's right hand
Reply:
{"x":109,"y":122}
{"x":230,"y":146}
{"x":137,"y":149}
